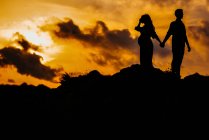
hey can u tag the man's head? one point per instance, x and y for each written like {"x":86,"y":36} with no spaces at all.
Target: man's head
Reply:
{"x":179,"y":13}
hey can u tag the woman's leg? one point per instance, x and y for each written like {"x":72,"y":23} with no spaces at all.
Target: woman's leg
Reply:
{"x":149,"y":54}
{"x":142,"y":55}
{"x":179,"y":61}
{"x":146,"y":53}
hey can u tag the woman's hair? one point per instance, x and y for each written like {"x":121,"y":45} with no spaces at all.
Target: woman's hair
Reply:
{"x":146,"y":19}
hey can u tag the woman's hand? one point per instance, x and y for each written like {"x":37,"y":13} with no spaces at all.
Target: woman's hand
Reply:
{"x":137,"y":28}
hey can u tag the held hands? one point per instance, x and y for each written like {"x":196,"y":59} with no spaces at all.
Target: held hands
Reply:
{"x":162,"y":45}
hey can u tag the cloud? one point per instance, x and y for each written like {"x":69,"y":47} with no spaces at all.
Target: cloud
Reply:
{"x":105,"y":58}
{"x":23,"y":43}
{"x":113,"y":58}
{"x":26,"y":63}
{"x":99,"y":35}
{"x":200,"y":32}
{"x":109,"y":43}
{"x":200,"y":12}
{"x":11,"y":81}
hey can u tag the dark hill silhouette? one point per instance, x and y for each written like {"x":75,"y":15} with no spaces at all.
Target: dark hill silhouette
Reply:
{"x":133,"y":94}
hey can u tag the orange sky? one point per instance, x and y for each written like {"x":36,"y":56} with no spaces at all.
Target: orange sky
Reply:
{"x":56,"y":36}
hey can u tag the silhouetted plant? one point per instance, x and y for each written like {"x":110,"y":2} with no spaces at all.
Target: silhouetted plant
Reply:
{"x":65,"y":79}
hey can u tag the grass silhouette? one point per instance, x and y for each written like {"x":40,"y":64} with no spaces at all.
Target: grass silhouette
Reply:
{"x":132,"y":94}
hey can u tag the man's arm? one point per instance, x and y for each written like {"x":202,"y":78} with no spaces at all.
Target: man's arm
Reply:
{"x":169,"y":33}
{"x":187,"y":43}
{"x":165,"y":40}
{"x":157,"y":38}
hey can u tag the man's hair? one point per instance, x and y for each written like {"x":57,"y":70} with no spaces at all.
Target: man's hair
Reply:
{"x":178,"y":12}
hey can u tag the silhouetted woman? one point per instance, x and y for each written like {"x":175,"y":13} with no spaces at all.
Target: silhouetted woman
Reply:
{"x":145,"y":42}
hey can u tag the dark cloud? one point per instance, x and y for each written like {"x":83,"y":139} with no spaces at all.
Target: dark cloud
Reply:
{"x":99,"y":35}
{"x":107,"y":58}
{"x":109,"y":42}
{"x":68,"y":29}
{"x":11,"y":81}
{"x":26,"y":63}
{"x":26,"y":45}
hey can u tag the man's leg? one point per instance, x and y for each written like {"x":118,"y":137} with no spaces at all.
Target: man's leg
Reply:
{"x":179,"y":62}
{"x":174,"y":63}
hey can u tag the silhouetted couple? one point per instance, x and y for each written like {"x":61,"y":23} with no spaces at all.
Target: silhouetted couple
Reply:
{"x":179,"y":38}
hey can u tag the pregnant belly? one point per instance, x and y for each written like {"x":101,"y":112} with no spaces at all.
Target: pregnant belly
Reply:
{"x":144,"y":41}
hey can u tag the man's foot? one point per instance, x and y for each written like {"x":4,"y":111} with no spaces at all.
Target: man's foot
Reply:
{"x":176,"y":75}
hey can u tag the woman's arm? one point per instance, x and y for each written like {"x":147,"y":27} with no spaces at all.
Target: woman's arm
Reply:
{"x":138,"y":28}
{"x":169,"y":33}
{"x":156,"y":37}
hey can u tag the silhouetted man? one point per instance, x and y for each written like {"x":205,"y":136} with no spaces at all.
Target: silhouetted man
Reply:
{"x":178,"y":31}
